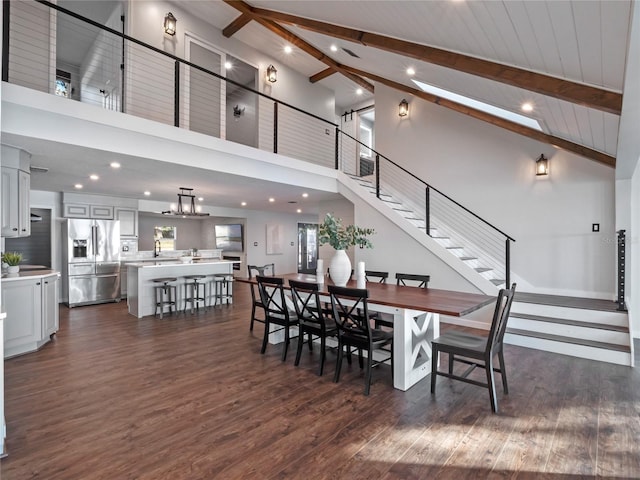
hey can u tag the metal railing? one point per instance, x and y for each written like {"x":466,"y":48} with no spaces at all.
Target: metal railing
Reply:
{"x":122,"y":73}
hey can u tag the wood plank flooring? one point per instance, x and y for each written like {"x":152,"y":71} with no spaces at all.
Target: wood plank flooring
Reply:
{"x":190,"y":397}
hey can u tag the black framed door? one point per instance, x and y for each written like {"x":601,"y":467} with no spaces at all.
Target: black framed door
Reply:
{"x":307,"y":247}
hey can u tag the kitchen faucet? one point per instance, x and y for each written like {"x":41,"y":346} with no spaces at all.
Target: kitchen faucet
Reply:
{"x":157,"y":248}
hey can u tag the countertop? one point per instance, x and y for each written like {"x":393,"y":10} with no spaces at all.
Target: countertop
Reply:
{"x":159,"y":259}
{"x":21,"y":275}
{"x":175,"y":262}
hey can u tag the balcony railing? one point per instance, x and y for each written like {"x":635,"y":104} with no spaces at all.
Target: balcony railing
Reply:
{"x":122,"y":73}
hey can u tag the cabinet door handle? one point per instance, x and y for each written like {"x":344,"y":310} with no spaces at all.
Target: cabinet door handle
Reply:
{"x":38,"y":283}
{"x":15,"y":229}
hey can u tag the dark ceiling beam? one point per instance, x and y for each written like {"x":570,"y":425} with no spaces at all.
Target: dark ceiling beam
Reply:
{"x":292,"y":38}
{"x":327,"y":72}
{"x":236,"y":25}
{"x":494,"y":120}
{"x":587,"y":96}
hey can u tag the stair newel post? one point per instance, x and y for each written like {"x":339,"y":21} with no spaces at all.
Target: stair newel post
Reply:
{"x":621,"y":270}
{"x":337,"y":149}
{"x":275,"y":127}
{"x":507,"y":262}
{"x":427,"y":209}
{"x":176,"y":94}
{"x":377,"y":175}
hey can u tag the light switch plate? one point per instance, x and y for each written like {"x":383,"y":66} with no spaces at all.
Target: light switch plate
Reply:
{"x":595,"y":227}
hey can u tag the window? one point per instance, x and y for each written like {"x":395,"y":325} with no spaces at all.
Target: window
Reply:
{"x":166,"y":236}
{"x":63,"y":84}
{"x":366,"y":138}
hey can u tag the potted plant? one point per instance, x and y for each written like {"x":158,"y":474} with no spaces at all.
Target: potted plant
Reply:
{"x":12,"y":259}
{"x":333,"y":232}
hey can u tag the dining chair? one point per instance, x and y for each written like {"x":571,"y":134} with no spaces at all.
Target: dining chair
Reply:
{"x":278,"y":310}
{"x":421,"y":280}
{"x":355,"y":332}
{"x":477,"y":350}
{"x":380,"y":319}
{"x":313,"y":320}
{"x":256,"y":303}
{"x":379,"y":277}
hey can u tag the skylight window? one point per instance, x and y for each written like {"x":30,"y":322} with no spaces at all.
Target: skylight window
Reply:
{"x":484,"y":107}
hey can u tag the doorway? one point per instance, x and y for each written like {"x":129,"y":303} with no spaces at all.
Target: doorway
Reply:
{"x":307,"y":247}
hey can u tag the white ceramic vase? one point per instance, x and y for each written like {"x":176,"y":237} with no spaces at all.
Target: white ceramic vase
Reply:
{"x":340,"y":268}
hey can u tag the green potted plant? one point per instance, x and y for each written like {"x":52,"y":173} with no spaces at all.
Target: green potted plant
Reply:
{"x":333,"y":232}
{"x":12,"y":259}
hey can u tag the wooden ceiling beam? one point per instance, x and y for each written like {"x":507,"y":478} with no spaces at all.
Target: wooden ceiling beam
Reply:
{"x":282,"y":32}
{"x":561,"y":143}
{"x":236,"y":25}
{"x":585,"y":95}
{"x":327,"y":72}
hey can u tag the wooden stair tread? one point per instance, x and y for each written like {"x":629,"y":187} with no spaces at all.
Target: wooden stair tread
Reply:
{"x":571,"y":302}
{"x":575,"y":323}
{"x":483,"y":269}
{"x":465,"y":259}
{"x":497,"y":281}
{"x":570,"y":340}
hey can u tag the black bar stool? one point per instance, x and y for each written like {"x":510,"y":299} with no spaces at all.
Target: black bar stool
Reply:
{"x":165,"y":294}
{"x":220,"y":288}
{"x":192,"y":293}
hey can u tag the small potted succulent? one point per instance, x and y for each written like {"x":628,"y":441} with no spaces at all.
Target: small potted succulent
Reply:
{"x":11,"y":260}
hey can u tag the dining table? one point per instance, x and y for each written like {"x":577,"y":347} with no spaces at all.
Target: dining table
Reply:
{"x":416,"y":319}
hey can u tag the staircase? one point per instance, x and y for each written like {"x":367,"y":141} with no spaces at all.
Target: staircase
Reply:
{"x":585,"y":328}
{"x":442,"y":233}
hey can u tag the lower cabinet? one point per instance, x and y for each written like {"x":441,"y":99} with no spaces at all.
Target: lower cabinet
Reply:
{"x":31,"y":305}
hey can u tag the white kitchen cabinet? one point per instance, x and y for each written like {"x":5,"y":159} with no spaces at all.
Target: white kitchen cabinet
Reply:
{"x":103,"y":212}
{"x":79,"y":210}
{"x":128,"y":221}
{"x":31,"y":305}
{"x":16,"y":211}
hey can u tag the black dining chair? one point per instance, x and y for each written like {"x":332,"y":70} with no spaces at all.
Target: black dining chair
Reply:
{"x":256,"y":303}
{"x":380,"y":319}
{"x":412,"y":280}
{"x":378,"y":277}
{"x":477,"y":350}
{"x":313,"y":319}
{"x":277,"y":311}
{"x":351,"y":314}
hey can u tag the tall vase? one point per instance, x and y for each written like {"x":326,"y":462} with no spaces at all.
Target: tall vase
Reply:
{"x":340,"y":268}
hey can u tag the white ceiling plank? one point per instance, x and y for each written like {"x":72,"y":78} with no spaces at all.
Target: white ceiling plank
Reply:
{"x":589,"y":41}
{"x":615,"y":24}
{"x":562,"y":21}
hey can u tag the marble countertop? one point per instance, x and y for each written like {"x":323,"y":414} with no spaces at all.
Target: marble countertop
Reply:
{"x":21,"y":275}
{"x":175,"y":262}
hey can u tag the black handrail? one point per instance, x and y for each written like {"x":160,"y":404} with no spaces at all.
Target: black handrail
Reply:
{"x":621,"y":270}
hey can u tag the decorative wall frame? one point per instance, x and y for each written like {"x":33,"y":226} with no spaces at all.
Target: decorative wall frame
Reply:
{"x":274,"y":240}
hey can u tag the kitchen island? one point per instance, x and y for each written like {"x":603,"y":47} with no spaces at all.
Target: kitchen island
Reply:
{"x":140,"y":276}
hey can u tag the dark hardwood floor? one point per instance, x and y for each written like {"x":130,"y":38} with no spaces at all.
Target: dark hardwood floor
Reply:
{"x":190,"y":397}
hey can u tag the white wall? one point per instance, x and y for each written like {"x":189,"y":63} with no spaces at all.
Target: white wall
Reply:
{"x":491,"y":171}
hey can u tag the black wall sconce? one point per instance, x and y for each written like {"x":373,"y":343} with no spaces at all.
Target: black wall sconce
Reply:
{"x":542,"y":166}
{"x":403,"y":108}
{"x":238,"y":111}
{"x":272,"y":74}
{"x":169,"y":24}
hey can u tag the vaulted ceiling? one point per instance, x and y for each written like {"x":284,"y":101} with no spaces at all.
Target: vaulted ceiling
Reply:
{"x":566,"y":58}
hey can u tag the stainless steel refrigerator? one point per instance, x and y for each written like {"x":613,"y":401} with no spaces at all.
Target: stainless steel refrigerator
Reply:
{"x":92,"y":257}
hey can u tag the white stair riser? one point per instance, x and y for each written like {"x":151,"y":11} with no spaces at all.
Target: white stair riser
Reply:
{"x":581,"y":351}
{"x":567,"y":313}
{"x":572,"y":331}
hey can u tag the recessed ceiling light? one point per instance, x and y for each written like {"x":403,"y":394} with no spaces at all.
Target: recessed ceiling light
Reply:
{"x":527,"y":107}
{"x":228,"y":65}
{"x":305,"y":195}
{"x":78,"y":186}
{"x":114,"y":165}
{"x":147,"y":193}
{"x":288,"y":49}
{"x":334,"y":48}
{"x":272,"y":199}
{"x":411,"y":71}
{"x":299,"y":210}
{"x":359,"y":91}
{"x":93,"y":176}
{"x":200,"y":199}
{"x":244,"y":204}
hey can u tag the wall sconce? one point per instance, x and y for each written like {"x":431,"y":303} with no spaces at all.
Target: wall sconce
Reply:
{"x":237,"y":111}
{"x":169,"y":24}
{"x":403,"y":108}
{"x":272,"y":74}
{"x":542,"y":165}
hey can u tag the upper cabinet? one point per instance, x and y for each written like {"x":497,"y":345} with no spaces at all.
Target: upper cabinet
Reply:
{"x":128,"y":221}
{"x":16,"y":188}
{"x":79,"y":210}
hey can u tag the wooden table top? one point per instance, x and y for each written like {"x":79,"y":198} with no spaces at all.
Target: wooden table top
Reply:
{"x":445,"y":302}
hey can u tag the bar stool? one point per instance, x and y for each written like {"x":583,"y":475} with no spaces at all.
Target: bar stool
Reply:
{"x":192,"y":294}
{"x":165,"y":294}
{"x":220,"y":288}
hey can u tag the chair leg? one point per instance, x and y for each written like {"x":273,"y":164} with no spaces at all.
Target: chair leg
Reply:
{"x":286,"y":343}
{"x":491,"y":383}
{"x":323,"y":353}
{"x":451,"y":358}
{"x":299,"y":349}
{"x":336,"y":376}
{"x":265,"y":338}
{"x":253,"y":316}
{"x":434,"y":367}
{"x":367,"y":385}
{"x":503,"y":372}
{"x":310,"y":342}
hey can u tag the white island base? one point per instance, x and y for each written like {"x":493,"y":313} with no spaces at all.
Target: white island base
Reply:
{"x":140,"y":286}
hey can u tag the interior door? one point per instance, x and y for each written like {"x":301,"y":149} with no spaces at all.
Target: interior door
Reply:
{"x":205,"y":91}
{"x":307,"y":247}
